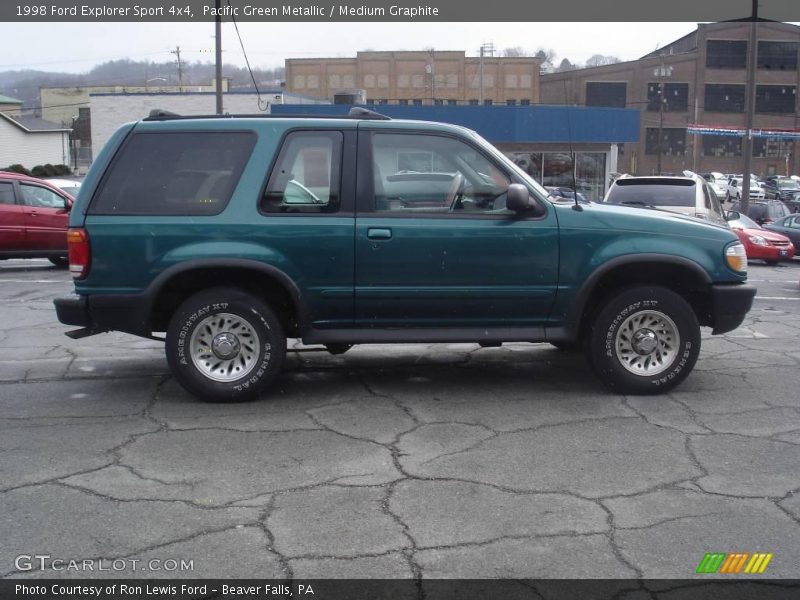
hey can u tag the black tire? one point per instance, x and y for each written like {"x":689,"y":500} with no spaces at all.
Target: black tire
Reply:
{"x":245,"y":324}
{"x":62,"y":262}
{"x":621,"y":335}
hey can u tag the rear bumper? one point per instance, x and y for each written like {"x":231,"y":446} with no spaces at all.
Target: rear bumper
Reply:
{"x":104,"y":313}
{"x":73,"y":310}
{"x":731,"y":304}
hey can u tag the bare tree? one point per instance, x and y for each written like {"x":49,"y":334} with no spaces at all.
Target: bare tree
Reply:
{"x":565,"y":65}
{"x":515,"y":51}
{"x":547,"y":56}
{"x":598,"y":60}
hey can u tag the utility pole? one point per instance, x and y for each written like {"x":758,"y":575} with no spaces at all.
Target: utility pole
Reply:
{"x":662,"y":72}
{"x":750,"y":108}
{"x":177,"y":53}
{"x":218,"y":55}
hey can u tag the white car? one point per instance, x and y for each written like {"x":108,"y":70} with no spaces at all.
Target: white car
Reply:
{"x":71,"y":186}
{"x":718,"y":183}
{"x":735,"y":188}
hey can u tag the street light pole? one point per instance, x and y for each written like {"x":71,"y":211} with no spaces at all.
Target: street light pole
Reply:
{"x":218,"y":55}
{"x":750,"y":105}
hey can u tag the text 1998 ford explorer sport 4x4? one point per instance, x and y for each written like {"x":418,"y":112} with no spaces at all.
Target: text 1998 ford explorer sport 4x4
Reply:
{"x":232,"y":234}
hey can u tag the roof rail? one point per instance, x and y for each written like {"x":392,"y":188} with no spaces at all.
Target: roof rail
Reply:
{"x":359,"y":112}
{"x":356,"y":112}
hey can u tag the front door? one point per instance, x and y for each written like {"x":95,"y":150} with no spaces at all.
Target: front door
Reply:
{"x":435,"y":245}
{"x":46,"y":216}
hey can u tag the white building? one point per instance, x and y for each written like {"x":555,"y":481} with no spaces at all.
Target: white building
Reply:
{"x":110,"y":111}
{"x":29,"y":141}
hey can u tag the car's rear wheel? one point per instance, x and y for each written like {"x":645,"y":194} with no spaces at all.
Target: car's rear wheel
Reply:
{"x":225,"y":345}
{"x":645,"y":340}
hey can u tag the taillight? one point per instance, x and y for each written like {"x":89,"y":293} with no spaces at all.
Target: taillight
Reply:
{"x":79,"y":252}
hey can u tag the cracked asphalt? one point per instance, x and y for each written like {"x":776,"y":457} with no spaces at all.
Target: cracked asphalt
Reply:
{"x":431,"y":461}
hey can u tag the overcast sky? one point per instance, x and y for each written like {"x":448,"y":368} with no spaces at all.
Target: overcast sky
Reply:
{"x":76,"y":47}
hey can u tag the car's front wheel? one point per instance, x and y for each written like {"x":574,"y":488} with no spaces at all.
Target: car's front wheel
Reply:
{"x":225,"y":345}
{"x":645,"y":340}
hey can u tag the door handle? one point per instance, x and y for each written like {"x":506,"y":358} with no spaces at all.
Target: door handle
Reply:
{"x":379,"y":234}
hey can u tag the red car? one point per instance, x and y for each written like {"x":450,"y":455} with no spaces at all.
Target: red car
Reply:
{"x":760,"y":243}
{"x":33,"y":219}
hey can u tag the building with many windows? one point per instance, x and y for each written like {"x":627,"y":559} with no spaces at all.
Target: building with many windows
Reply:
{"x":419,"y":78}
{"x":691,"y":94}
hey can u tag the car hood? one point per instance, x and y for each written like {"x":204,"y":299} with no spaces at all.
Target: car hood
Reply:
{"x":647,"y":220}
{"x":772,"y":236}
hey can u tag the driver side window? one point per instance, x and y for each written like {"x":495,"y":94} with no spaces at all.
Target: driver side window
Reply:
{"x":419,"y":173}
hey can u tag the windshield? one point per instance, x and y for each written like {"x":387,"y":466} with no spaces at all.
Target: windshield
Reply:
{"x":744,"y":222}
{"x":788,"y":184}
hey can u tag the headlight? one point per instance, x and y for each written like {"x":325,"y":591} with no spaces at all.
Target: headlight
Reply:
{"x":758,"y":240}
{"x":736,"y":258}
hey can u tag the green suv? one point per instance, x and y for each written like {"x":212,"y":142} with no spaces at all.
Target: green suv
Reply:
{"x":226,"y":236}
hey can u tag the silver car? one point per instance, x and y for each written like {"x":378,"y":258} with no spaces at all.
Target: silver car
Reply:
{"x":688,"y":195}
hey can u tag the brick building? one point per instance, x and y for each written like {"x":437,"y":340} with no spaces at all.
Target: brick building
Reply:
{"x":699,"y":80}
{"x":419,"y":78}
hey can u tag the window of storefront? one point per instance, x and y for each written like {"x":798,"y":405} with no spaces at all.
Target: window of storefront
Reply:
{"x":724,"y":98}
{"x":720,"y":145}
{"x":770,"y":148}
{"x":778,"y":56}
{"x":775,"y":98}
{"x":676,"y":96}
{"x":600,"y":93}
{"x":726,"y":54}
{"x":673,"y":141}
{"x":554,"y":169}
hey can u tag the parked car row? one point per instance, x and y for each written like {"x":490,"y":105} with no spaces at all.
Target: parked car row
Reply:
{"x":768,"y":232}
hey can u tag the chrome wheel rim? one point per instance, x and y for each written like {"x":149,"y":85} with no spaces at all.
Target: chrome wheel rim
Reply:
{"x":647,"y":343}
{"x":224,"y":347}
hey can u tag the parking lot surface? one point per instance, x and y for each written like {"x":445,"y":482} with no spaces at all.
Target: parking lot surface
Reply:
{"x":395,"y":461}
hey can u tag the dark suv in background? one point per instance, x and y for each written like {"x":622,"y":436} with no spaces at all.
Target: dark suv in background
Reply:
{"x":763,"y":212}
{"x":225,"y":236}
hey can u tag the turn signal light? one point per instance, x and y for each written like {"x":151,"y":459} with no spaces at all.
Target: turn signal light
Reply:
{"x":79,"y":252}
{"x":736,"y":257}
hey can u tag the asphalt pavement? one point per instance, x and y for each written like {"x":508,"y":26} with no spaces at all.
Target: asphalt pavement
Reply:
{"x":441,"y":460}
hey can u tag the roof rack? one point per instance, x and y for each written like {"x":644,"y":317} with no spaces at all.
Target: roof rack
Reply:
{"x":356,"y":112}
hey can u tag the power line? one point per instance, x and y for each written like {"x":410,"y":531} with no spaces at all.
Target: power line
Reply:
{"x":246,"y":60}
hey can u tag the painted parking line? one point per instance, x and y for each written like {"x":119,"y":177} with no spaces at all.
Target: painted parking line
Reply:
{"x":32,"y":281}
{"x":777,"y":298}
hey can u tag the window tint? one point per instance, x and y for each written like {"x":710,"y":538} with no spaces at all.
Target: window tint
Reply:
{"x":306,"y":175}
{"x":6,"y":193}
{"x":39,"y":197}
{"x":174,"y":173}
{"x":433,"y":174}
{"x":652,"y":192}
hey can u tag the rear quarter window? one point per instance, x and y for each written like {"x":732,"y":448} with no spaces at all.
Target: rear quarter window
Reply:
{"x":174,"y":173}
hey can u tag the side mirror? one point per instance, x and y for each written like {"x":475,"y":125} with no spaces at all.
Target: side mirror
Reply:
{"x":518,"y":198}
{"x":732,"y":215}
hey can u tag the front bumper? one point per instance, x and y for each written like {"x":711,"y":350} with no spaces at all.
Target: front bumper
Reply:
{"x":731,"y":304}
